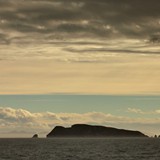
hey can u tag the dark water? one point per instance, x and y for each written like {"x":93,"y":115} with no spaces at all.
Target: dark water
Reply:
{"x":80,"y":149}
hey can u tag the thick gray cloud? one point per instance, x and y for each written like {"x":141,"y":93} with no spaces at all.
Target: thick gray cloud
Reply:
{"x":90,"y":21}
{"x":104,"y":18}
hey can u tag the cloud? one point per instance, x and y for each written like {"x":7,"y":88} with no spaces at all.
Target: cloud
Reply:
{"x":4,"y":39}
{"x":22,"y":122}
{"x":157,"y":111}
{"x":139,"y":111}
{"x":111,"y":51}
{"x":122,"y":36}
{"x":126,"y":17}
{"x":136,"y":110}
{"x":24,"y":117}
{"x":116,"y":75}
{"x":46,"y":21}
{"x":155,"y":39}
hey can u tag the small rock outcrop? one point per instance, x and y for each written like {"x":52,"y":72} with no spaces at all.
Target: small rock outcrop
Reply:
{"x":155,"y":136}
{"x":35,"y":136}
{"x":84,"y":130}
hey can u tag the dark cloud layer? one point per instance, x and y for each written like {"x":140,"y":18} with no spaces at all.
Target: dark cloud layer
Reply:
{"x":110,"y":51}
{"x":79,"y":19}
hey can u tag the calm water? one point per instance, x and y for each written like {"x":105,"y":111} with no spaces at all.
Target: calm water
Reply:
{"x":80,"y":149}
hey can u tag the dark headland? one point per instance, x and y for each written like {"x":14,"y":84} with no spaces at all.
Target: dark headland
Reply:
{"x":84,"y":130}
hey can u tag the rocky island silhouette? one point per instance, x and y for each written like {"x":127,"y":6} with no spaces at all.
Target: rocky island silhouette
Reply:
{"x":35,"y":136}
{"x":85,"y":130}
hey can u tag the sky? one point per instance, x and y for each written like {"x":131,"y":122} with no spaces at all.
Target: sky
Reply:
{"x":79,"y":61}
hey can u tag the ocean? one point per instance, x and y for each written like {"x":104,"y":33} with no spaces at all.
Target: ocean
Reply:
{"x":80,"y":149}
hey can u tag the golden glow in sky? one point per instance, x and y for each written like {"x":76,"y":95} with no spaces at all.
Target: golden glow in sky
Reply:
{"x":125,"y":74}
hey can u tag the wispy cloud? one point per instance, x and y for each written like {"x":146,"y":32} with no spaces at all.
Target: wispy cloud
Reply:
{"x":140,"y":111}
{"x":136,"y":110}
{"x":122,"y":75}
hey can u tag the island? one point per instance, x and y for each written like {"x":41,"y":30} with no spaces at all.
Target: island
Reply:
{"x":35,"y":136}
{"x":85,"y":130}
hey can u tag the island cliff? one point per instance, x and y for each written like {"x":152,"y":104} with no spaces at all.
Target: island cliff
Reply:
{"x":84,"y":130}
{"x":35,"y":136}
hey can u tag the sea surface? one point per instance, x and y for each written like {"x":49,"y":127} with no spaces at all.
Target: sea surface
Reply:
{"x":80,"y":149}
